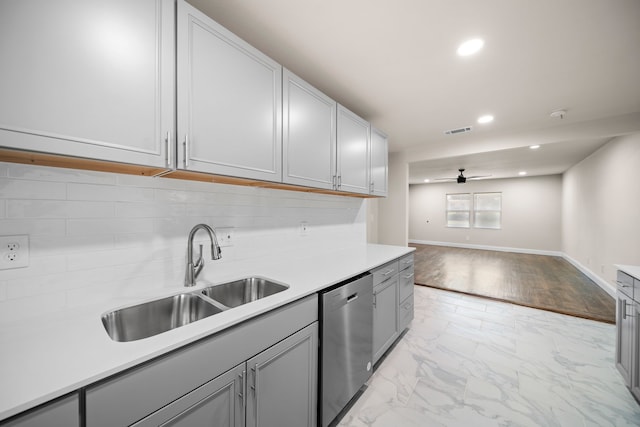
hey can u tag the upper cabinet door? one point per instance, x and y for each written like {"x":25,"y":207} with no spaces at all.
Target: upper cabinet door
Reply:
{"x":379,"y":163}
{"x":353,"y":152}
{"x":309,"y":134}
{"x":229,"y":102}
{"x":89,"y":78}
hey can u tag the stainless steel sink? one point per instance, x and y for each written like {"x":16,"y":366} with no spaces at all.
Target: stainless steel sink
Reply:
{"x":242,"y":291}
{"x":154,"y":317}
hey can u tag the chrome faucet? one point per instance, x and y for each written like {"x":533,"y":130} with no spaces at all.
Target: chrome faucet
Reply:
{"x":194,"y":269}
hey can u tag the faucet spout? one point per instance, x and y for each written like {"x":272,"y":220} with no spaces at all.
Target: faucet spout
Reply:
{"x":194,"y":268}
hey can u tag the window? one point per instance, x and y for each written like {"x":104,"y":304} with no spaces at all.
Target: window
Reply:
{"x":459,"y":210}
{"x":487,"y":210}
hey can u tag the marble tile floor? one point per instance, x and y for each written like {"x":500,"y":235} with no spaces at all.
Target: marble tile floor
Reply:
{"x":474,"y":362}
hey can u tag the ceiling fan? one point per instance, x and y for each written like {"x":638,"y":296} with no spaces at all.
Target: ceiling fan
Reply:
{"x":461,"y":179}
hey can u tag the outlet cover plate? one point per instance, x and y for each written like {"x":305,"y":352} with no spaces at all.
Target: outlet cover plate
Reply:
{"x":14,"y":252}
{"x":224,"y":236}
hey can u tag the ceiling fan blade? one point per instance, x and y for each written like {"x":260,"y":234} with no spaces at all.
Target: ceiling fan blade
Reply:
{"x":478,"y":176}
{"x":445,"y":179}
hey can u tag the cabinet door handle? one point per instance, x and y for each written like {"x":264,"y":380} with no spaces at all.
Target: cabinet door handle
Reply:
{"x":186,"y":151}
{"x":371,"y":188}
{"x":339,"y":182}
{"x":374,"y":300}
{"x":623,"y":284}
{"x":409,"y":276}
{"x":168,"y":141}
{"x":333,"y":182}
{"x":255,"y":380}
{"x":242,"y":385}
{"x":624,"y":310}
{"x":388,"y":272}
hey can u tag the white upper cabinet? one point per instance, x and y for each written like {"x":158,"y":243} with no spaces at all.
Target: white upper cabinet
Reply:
{"x":353,"y":152}
{"x":309,"y":134}
{"x":379,"y":163}
{"x":229,"y":102}
{"x":89,"y":78}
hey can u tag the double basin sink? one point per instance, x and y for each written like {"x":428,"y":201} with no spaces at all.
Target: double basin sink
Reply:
{"x":161,"y":315}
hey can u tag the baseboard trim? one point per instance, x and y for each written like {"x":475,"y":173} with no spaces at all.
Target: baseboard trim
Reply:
{"x":606,"y":286}
{"x":488,"y":248}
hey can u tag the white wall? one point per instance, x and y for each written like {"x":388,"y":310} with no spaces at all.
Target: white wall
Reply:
{"x":601,"y":216}
{"x":531,"y":214}
{"x":393,"y":210}
{"x":96,"y":234}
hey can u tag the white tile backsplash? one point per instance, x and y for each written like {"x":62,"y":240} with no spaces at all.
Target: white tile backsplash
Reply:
{"x":97,"y":235}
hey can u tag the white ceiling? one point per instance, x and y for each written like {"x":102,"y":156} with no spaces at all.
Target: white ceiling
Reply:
{"x":394,"y":63}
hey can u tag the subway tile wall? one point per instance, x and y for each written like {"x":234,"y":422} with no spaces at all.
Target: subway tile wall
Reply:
{"x":96,"y":235}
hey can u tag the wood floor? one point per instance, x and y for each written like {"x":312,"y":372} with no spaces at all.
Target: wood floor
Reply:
{"x":539,"y":281}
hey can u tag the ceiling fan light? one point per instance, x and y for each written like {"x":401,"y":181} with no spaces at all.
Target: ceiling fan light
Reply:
{"x":522,"y":173}
{"x":534,"y":147}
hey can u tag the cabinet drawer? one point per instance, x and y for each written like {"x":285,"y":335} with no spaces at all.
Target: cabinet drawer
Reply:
{"x":405,"y":314}
{"x":406,"y":262}
{"x":384,"y":272}
{"x":625,"y":284}
{"x":406,"y":283}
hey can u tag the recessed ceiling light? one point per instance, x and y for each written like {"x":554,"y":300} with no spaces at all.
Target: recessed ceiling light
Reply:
{"x":534,"y":147}
{"x":426,"y":180}
{"x":470,"y":47}
{"x":488,"y":118}
{"x":522,"y":173}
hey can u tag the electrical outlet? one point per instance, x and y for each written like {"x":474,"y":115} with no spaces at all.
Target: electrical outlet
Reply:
{"x":304,"y":228}
{"x":225,"y":236}
{"x":14,"y":252}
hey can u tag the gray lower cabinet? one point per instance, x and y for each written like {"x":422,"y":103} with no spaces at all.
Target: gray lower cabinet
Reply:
{"x":628,"y":331}
{"x":624,"y":343}
{"x":385,"y":315}
{"x":64,"y":412}
{"x":405,"y":292}
{"x":282,"y":383}
{"x":392,"y":303}
{"x":259,"y":393}
{"x":217,"y":403}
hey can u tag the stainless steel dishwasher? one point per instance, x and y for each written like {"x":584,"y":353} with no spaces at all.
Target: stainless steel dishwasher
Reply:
{"x":346,"y":328}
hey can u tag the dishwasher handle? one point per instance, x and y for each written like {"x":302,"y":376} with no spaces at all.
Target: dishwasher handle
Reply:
{"x":352,"y":297}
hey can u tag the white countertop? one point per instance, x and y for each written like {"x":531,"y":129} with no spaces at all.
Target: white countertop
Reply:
{"x":631,"y":270}
{"x":47,"y":357}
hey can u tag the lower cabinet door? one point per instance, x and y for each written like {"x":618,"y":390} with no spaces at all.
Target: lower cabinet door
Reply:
{"x":624,"y":336}
{"x":385,"y":316}
{"x":405,"y":313}
{"x":282,"y":382}
{"x":635,"y":357}
{"x":218,"y":403}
